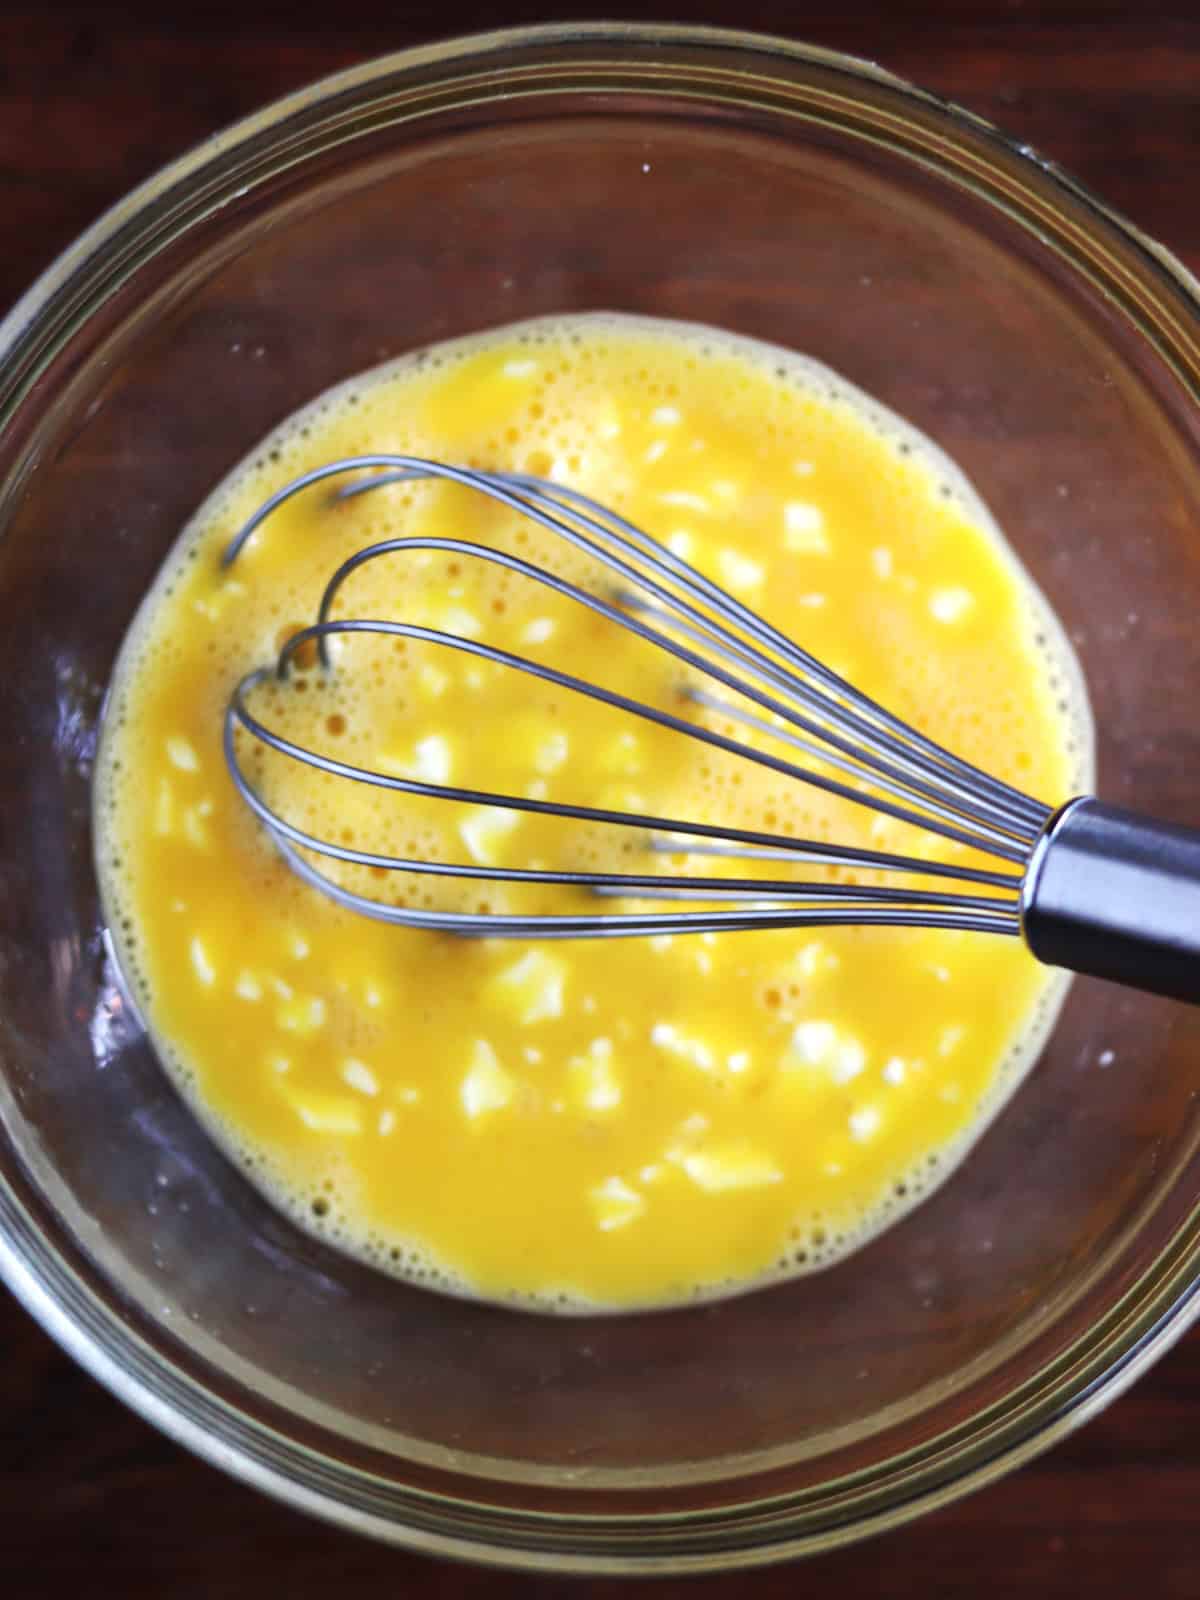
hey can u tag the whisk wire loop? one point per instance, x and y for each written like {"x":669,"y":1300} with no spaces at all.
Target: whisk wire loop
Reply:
{"x":662,"y":600}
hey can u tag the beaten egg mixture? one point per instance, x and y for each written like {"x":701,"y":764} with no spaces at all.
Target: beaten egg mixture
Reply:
{"x":580,"y":1124}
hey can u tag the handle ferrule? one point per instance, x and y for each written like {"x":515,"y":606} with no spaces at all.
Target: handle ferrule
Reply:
{"x":1116,"y":895}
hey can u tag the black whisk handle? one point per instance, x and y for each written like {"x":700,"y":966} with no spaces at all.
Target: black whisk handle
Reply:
{"x":1116,"y":895}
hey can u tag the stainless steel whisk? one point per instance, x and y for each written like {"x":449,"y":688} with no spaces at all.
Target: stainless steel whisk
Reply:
{"x":1090,"y":887}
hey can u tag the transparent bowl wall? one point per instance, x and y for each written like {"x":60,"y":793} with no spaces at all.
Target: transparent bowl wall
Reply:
{"x":784,"y":193}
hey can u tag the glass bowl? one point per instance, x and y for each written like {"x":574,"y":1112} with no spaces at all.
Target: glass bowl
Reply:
{"x":784,"y":192}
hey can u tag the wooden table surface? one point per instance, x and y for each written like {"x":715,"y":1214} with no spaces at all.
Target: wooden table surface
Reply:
{"x":93,"y":98}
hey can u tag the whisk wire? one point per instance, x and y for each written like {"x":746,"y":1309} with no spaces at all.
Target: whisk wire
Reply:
{"x":596,"y":515}
{"x":543,"y":500}
{"x":1009,"y":817}
{"x":239,"y":713}
{"x":540,"y":500}
{"x":892,"y":768}
{"x":938,"y":818}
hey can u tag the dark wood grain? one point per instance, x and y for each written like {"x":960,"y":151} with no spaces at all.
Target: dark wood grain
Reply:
{"x":94,"y":98}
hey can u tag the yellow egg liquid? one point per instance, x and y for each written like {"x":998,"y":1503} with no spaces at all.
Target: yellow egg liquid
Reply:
{"x":577,"y":1124}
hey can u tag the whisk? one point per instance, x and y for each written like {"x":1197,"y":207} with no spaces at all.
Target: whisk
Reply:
{"x":1089,"y":886}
